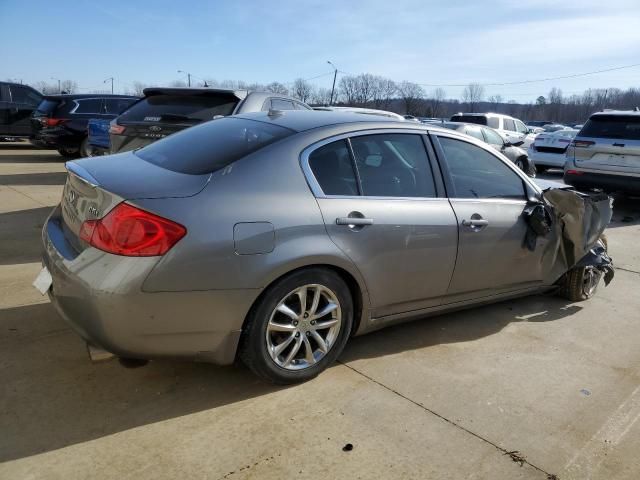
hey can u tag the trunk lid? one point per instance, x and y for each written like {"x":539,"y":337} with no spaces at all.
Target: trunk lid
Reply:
{"x":95,"y":185}
{"x":609,"y":142}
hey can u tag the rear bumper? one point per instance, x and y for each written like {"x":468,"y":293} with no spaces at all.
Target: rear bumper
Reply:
{"x":100,"y":296}
{"x":547,"y":159}
{"x":57,"y":139}
{"x":605,"y":181}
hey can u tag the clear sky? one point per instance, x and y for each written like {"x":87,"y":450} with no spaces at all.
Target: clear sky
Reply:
{"x":427,"y":42}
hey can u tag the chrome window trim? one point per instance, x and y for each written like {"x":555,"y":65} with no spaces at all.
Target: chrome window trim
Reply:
{"x":313,"y":182}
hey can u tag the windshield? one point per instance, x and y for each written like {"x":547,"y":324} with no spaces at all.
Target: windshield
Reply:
{"x":212,"y":145}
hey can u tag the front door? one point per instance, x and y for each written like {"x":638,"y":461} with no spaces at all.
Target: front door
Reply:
{"x":380,"y":207}
{"x":488,"y":198}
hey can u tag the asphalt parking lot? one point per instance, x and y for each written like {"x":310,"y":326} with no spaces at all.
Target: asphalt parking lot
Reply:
{"x":531,"y":388}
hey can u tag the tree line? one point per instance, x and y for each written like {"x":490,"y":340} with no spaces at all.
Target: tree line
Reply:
{"x":405,"y":97}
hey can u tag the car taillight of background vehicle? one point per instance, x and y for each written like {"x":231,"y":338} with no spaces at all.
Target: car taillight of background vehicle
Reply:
{"x":582,"y":143}
{"x":53,"y":122}
{"x":116,"y":129}
{"x":132,"y":232}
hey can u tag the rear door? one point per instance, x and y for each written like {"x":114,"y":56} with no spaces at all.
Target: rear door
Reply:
{"x":381,"y":207}
{"x":609,"y":142}
{"x":24,"y":101}
{"x":488,"y":198}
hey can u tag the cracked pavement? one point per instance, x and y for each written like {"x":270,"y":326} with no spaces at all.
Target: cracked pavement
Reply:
{"x":529,"y":388}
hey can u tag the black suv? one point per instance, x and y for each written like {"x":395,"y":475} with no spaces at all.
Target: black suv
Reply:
{"x":163,"y":111}
{"x":60,"y":121}
{"x":17,"y":103}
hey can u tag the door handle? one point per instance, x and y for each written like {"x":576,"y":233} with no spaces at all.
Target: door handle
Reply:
{"x":356,"y":221}
{"x":475,"y":223}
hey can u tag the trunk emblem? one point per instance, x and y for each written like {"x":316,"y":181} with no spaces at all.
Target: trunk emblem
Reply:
{"x":71,"y":197}
{"x":155,"y":128}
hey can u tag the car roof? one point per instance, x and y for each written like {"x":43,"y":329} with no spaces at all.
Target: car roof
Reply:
{"x":302,"y":120}
{"x":186,"y":91}
{"x":632,"y":113}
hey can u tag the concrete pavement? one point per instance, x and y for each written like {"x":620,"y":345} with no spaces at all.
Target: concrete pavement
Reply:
{"x":530,"y":388}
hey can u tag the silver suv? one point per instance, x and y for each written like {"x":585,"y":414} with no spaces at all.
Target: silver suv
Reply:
{"x":606,"y":153}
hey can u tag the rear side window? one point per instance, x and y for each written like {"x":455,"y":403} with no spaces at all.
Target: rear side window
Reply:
{"x":89,"y":105}
{"x":331,"y":165}
{"x":176,"y":108}
{"x":493,"y":122}
{"x":509,"y":124}
{"x":493,"y":137}
{"x":474,"y":132}
{"x":212,"y":145}
{"x":393,"y":165}
{"x":475,"y":173}
{"x":25,"y":95}
{"x":612,"y":126}
{"x":116,"y":106}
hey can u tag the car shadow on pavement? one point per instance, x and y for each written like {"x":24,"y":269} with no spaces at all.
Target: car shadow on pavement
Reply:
{"x":54,"y":397}
{"x":626,"y":211}
{"x":20,"y":240}
{"x":48,"y":178}
{"x":456,"y":327}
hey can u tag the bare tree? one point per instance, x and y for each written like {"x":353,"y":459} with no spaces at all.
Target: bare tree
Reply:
{"x":46,"y":88}
{"x":388,"y":90}
{"x":302,"y":89}
{"x":472,"y":95}
{"x":495,"y":101}
{"x":348,"y":88}
{"x":277,"y":87}
{"x":410,"y":93}
{"x":435,"y":102}
{"x":321,"y":96}
{"x":365,"y":87}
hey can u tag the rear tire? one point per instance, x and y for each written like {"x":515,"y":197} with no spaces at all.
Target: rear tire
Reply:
{"x":541,"y":168}
{"x":284,"y":340}
{"x":69,"y":153}
{"x":86,"y":150}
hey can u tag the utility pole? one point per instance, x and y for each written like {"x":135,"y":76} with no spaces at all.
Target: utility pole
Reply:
{"x":59,"y":88}
{"x":110,"y":78}
{"x":333,"y":88}
{"x":188,"y":77}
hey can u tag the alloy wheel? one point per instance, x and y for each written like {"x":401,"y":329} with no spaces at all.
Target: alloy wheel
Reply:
{"x":590,"y":280}
{"x":303,"y":327}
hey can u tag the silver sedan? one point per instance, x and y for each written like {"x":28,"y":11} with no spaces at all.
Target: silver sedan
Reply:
{"x":275,"y":237}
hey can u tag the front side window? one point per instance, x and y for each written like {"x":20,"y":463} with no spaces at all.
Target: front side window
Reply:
{"x":116,"y":106}
{"x":90,"y":105}
{"x":521,"y":127}
{"x":281,"y":104}
{"x":332,"y":166}
{"x":476,"y":173}
{"x":509,"y":124}
{"x":393,"y":165}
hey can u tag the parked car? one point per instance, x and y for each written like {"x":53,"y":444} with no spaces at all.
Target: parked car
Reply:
{"x":163,"y":111}
{"x":273,"y":237}
{"x":498,"y":141}
{"x":98,"y":136}
{"x":411,"y":118}
{"x":554,"y":127}
{"x":366,"y":111}
{"x":537,"y":123}
{"x":513,"y":128}
{"x":535,"y":130}
{"x":60,"y":121}
{"x":549,"y":149}
{"x":17,"y":103}
{"x":606,"y":153}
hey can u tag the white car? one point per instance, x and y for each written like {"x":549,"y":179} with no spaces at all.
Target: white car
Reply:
{"x":514,"y":129}
{"x":549,"y":149}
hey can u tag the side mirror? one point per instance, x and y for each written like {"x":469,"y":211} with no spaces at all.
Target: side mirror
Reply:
{"x":517,"y":143}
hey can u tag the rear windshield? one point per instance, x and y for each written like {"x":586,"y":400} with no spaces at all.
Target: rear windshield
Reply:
{"x":47,"y":106}
{"x":477,"y":119}
{"x":612,"y":126}
{"x":212,"y":145}
{"x":179,"y":108}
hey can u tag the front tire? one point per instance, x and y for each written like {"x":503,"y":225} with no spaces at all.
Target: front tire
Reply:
{"x":581,"y":283}
{"x":298,"y":327}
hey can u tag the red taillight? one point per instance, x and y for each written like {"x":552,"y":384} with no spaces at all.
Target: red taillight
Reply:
{"x":574,"y":172}
{"x":53,"y":122}
{"x":116,"y":129}
{"x":582,"y":143}
{"x":129,"y":231}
